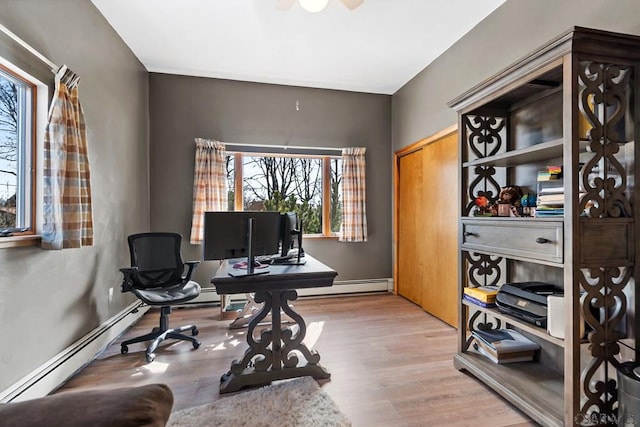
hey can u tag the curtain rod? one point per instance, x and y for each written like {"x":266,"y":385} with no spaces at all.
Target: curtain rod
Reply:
{"x":24,"y":44}
{"x":283,"y":147}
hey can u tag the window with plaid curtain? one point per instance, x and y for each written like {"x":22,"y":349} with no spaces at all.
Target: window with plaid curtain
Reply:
{"x":209,"y":184}
{"x":354,"y":214}
{"x":68,"y":221}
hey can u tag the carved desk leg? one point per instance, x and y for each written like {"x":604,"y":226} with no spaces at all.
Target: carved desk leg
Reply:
{"x":274,"y":354}
{"x":249,"y":311}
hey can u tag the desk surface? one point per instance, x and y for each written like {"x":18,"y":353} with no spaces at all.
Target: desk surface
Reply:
{"x":313,"y":274}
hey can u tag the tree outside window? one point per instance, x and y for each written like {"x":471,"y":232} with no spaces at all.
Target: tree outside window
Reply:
{"x":291,"y":184}
{"x":16,"y":100}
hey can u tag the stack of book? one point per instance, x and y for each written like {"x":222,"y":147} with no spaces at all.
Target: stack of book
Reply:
{"x":550,"y":201}
{"x":504,"y":346}
{"x":484,"y":296}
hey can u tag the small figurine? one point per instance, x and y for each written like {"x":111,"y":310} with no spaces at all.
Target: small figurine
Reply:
{"x":511,"y":195}
{"x":482,"y":206}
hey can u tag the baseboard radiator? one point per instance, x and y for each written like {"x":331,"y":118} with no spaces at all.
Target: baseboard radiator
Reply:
{"x":54,"y":372}
{"x":340,"y":287}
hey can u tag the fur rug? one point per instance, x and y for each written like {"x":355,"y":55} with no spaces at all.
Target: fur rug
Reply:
{"x":299,"y":402}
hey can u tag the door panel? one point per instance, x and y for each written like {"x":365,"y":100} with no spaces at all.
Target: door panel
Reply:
{"x":410,"y":225}
{"x":439,"y":212}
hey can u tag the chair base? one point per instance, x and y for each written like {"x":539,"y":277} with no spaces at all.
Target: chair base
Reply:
{"x":161,"y":333}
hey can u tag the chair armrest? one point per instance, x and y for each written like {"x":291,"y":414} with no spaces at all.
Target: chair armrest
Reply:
{"x":192,"y":265}
{"x":127,"y":281}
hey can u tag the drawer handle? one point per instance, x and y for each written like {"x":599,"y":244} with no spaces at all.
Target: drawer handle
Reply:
{"x":542,"y":240}
{"x":468,"y":234}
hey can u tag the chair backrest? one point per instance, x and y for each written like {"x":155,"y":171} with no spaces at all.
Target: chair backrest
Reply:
{"x":157,"y":257}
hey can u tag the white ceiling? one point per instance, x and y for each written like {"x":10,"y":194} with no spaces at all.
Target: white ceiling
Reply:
{"x":376,"y":48}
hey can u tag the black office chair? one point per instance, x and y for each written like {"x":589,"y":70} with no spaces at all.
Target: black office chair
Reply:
{"x":157,"y":276}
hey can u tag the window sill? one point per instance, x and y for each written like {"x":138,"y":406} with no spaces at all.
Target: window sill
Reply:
{"x":20,"y":241}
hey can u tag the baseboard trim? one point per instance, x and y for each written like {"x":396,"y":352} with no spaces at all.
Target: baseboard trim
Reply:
{"x":350,"y":287}
{"x":54,"y":372}
{"x":209,"y":295}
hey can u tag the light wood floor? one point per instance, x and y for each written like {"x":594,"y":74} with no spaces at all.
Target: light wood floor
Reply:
{"x":391,"y":363}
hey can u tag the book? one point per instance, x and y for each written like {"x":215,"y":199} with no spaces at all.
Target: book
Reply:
{"x":551,"y":190}
{"x":501,"y":360}
{"x":478,"y":302}
{"x":547,"y":199}
{"x":505,"y":340}
{"x":483,"y":293}
{"x":550,"y":173}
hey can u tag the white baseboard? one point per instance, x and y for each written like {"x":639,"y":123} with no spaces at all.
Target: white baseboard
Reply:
{"x":209,"y":295}
{"x":350,"y":287}
{"x":54,"y":372}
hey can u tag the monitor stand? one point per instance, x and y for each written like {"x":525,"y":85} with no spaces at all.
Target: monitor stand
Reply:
{"x":251,"y":259}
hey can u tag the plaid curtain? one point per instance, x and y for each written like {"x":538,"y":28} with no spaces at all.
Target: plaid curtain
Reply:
{"x":209,"y":184}
{"x":354,"y":214}
{"x":67,"y":218}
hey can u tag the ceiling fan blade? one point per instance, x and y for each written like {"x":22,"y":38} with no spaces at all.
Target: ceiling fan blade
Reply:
{"x":284,"y":4}
{"x":352,"y":4}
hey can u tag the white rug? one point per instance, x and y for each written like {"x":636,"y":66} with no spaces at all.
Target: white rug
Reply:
{"x":298,"y":402}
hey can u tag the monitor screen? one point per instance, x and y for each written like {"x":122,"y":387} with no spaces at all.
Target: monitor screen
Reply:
{"x":226,"y":234}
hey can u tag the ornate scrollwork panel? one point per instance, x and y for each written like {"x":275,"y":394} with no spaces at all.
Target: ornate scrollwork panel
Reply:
{"x":603,"y":306}
{"x":604,"y":98}
{"x":485,"y":136}
{"x":482,"y":269}
{"x":482,"y":182}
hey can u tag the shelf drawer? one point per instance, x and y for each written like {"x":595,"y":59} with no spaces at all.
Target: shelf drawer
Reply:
{"x":527,"y":239}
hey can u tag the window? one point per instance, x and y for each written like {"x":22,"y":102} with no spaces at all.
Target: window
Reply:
{"x":17,"y":136}
{"x":307,"y":185}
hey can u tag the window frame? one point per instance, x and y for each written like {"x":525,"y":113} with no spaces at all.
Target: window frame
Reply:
{"x":326,"y":185}
{"x":29,"y":145}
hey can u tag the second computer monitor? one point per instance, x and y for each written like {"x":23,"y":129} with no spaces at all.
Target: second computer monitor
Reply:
{"x":288,"y":229}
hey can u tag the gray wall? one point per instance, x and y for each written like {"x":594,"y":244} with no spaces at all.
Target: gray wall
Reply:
{"x":509,"y":33}
{"x":182,"y":108}
{"x":49,"y":299}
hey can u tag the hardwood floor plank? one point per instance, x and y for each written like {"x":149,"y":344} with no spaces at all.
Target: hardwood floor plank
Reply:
{"x":391,"y":363}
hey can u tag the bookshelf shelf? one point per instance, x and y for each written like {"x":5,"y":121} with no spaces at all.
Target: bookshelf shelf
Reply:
{"x":531,"y":387}
{"x":542,"y":151}
{"x":531,"y":329}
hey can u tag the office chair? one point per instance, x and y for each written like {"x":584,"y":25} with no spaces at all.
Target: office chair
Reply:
{"x":157,"y":277}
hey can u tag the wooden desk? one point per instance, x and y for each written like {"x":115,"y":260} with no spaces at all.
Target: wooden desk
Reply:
{"x":274,"y":355}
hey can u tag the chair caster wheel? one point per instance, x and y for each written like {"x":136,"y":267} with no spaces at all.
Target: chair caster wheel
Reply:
{"x":196,"y":345}
{"x":150,"y":357}
{"x":194,"y":331}
{"x":124,"y":349}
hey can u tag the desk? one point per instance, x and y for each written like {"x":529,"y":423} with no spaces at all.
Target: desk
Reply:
{"x":274,"y":355}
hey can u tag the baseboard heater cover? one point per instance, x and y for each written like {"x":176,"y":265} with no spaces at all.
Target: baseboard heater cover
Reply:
{"x":54,"y":372}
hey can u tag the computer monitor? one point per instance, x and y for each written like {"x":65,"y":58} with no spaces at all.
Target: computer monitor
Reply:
{"x":288,"y":229}
{"x":227,"y":235}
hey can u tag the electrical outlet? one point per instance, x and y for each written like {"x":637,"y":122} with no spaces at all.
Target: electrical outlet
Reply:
{"x":110,"y":295}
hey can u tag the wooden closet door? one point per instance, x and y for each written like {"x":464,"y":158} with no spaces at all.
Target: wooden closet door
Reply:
{"x":410,"y":226}
{"x":439,"y":213}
